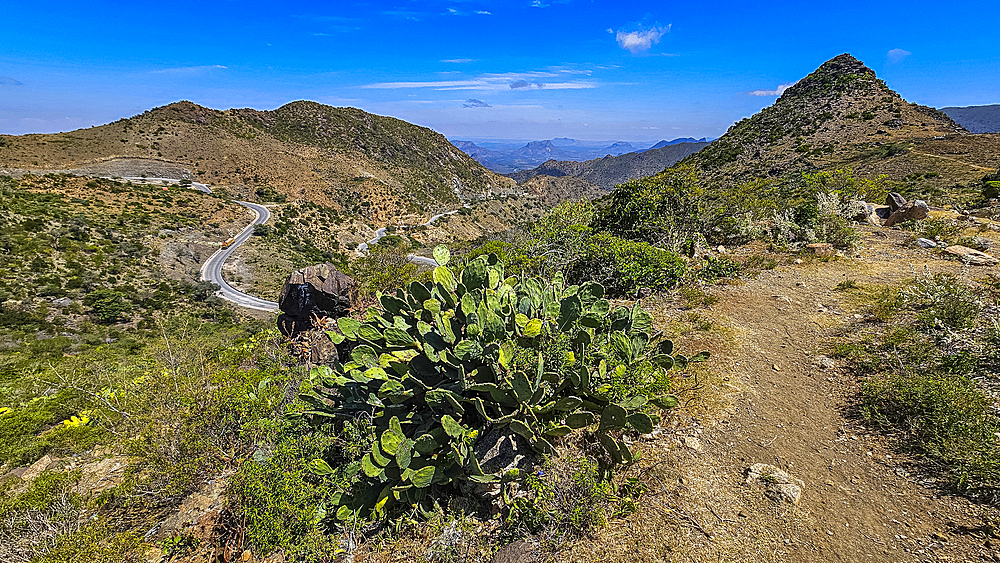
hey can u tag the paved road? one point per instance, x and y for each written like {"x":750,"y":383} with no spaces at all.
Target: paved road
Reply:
{"x":422,"y":260}
{"x":193,"y":185}
{"x":211,"y":270}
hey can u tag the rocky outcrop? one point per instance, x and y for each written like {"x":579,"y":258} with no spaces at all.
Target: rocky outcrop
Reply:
{"x":314,"y":292}
{"x":310,"y":299}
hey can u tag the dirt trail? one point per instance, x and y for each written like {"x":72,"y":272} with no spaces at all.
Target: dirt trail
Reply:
{"x":976,"y":166}
{"x":862,"y":501}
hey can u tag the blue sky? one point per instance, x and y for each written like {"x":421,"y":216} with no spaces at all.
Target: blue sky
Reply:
{"x":520,"y":69}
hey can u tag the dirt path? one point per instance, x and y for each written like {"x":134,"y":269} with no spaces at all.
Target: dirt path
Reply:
{"x":977,"y":167}
{"x":861,"y":501}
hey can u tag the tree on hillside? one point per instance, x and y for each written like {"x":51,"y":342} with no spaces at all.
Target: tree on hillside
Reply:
{"x":108,"y":305}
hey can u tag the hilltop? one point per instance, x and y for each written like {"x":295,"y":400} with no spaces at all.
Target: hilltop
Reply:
{"x":377,"y":168}
{"x":843,"y":116}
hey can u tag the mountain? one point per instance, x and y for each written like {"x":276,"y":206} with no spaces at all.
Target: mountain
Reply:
{"x":509,"y":159}
{"x":662,"y":144}
{"x":977,"y":119}
{"x":844,"y":117}
{"x":374,"y":167}
{"x":609,"y":171}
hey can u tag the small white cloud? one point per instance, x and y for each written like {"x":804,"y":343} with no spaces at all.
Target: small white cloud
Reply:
{"x":482,"y":13}
{"x":641,"y":40}
{"x":459,"y":61}
{"x":538,"y":4}
{"x":776,"y":92}
{"x":896,"y":55}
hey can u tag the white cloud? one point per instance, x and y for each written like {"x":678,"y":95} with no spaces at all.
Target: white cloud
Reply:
{"x":538,"y":4}
{"x":641,"y":40}
{"x":776,"y":92}
{"x":896,"y":55}
{"x":459,"y":61}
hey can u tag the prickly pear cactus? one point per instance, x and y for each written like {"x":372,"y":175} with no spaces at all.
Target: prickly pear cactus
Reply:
{"x":444,"y":360}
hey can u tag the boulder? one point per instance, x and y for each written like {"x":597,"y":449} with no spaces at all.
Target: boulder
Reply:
{"x":894,"y":201}
{"x":314,"y":291}
{"x":780,"y":485}
{"x":912,"y":210}
{"x":926,"y":243}
{"x":972,"y":256}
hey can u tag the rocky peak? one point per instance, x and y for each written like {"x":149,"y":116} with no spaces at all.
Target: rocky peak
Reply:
{"x":837,"y":76}
{"x":185,"y":111}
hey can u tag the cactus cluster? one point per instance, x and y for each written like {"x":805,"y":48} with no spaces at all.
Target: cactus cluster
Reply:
{"x":442,"y":361}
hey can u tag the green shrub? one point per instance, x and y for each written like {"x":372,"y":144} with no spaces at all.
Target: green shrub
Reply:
{"x":383,"y":268}
{"x":946,"y":414}
{"x":108,"y":305}
{"x":445,"y":360}
{"x":624,"y":266}
{"x":942,"y":298}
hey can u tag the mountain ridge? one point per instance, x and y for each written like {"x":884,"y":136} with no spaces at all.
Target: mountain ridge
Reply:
{"x":609,"y":171}
{"x":380,"y":168}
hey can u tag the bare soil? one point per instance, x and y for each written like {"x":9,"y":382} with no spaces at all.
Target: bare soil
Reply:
{"x":862,"y":500}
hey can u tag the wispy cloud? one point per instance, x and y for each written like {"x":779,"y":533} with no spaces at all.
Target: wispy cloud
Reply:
{"x":538,"y":4}
{"x":642,"y":39}
{"x":457,"y":12}
{"x":189,"y":69}
{"x":896,"y":55}
{"x":459,"y":61}
{"x":8,"y":81}
{"x":776,"y":92}
{"x":474,"y":103}
{"x":549,"y":80}
{"x":405,"y":14}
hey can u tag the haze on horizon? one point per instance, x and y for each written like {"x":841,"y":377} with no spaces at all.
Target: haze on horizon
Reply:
{"x":523,"y":69}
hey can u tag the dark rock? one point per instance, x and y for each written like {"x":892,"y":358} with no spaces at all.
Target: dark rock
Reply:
{"x":894,"y":201}
{"x":499,"y":449}
{"x":883,"y":212}
{"x":315,"y":291}
{"x":913,"y":210}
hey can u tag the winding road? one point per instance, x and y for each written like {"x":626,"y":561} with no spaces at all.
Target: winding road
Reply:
{"x":211,"y":270}
{"x":422,"y":260}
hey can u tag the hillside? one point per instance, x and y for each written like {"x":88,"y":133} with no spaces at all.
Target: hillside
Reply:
{"x":610,"y":171}
{"x":377,"y":168}
{"x":977,"y":119}
{"x":843,"y":116}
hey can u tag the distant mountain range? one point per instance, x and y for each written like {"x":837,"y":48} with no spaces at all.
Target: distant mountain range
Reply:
{"x":609,"y":171}
{"x":977,"y":119}
{"x":506,"y":159}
